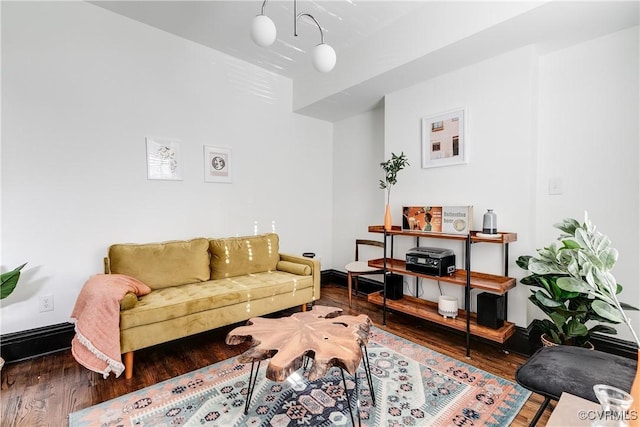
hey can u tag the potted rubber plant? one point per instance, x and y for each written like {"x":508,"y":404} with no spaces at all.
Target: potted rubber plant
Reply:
{"x":391,"y":168}
{"x":574,"y":284}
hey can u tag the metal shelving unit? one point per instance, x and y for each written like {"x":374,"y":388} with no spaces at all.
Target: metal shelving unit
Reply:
{"x":428,"y":310}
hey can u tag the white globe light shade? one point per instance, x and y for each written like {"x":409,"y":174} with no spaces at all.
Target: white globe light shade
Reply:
{"x":263,"y":31}
{"x":324,"y":58}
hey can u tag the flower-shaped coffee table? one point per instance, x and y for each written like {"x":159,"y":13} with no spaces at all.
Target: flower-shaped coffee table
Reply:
{"x":319,"y":336}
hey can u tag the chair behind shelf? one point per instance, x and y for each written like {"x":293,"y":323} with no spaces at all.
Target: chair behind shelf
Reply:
{"x":361,"y":268}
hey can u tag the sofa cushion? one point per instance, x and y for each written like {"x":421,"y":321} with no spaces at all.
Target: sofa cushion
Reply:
{"x":294,"y":268}
{"x":179,"y":301}
{"x":160,"y":265}
{"x":237,"y":256}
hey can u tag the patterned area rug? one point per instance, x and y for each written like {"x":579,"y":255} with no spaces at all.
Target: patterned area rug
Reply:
{"x":413,"y":386}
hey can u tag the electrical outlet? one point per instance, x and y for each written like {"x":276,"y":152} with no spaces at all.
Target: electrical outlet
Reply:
{"x":45,"y":303}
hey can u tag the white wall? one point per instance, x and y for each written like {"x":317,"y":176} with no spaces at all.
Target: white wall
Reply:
{"x":570,"y":114}
{"x":82,"y":88}
{"x":589,"y":110}
{"x":358,"y":149}
{"x":499,"y":99}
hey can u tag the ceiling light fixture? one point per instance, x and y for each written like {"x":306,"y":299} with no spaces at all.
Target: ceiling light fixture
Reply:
{"x":263,"y":33}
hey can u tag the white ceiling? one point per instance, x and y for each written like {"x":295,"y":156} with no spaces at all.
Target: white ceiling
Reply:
{"x":382,"y":46}
{"x":224,"y":25}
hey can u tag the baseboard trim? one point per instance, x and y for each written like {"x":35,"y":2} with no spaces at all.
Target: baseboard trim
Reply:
{"x":37,"y":342}
{"x":365,"y":285}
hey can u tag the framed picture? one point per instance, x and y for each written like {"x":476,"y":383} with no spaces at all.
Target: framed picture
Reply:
{"x":217,"y":164}
{"x":443,"y":140}
{"x":163,"y":159}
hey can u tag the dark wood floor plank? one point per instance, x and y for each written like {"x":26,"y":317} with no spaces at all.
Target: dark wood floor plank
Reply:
{"x":42,"y":391}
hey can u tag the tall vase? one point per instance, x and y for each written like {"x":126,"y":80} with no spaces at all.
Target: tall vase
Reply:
{"x":387,"y":218}
{"x":634,"y":412}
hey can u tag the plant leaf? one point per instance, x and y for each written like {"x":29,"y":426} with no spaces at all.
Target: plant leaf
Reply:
{"x":605,"y":310}
{"x":568,"y":226}
{"x":609,"y":257}
{"x":574,"y":267}
{"x":555,"y":337}
{"x":545,"y":326}
{"x":540,"y":267}
{"x":604,"y":329}
{"x":582,"y":238}
{"x":626,"y":306}
{"x":546,"y":301}
{"x":538,"y":304}
{"x":575,"y":329}
{"x":603,"y":243}
{"x":9,"y":281}
{"x":571,"y":284}
{"x":546,"y":284}
{"x":570,"y":244}
{"x":558,"y":319}
{"x":523,"y":261}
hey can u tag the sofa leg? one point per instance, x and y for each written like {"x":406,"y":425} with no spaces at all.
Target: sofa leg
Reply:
{"x":304,"y":307}
{"x":128,"y":365}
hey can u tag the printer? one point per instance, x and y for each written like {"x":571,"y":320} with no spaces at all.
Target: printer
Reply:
{"x":431,"y":261}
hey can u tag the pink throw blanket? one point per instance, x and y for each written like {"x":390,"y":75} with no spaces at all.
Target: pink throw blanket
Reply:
{"x":96,"y":345}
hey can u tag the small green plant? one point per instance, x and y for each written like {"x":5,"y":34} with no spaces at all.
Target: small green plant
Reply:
{"x":9,"y":281}
{"x":575,"y":284}
{"x":391,"y":168}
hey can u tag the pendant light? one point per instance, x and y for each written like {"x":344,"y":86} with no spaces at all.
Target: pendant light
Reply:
{"x":263,"y":33}
{"x":263,"y":30}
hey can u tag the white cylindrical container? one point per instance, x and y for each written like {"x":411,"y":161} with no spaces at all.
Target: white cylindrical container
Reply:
{"x":448,"y":306}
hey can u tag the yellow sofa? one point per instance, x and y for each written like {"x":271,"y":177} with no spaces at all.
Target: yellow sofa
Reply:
{"x":203,"y":284}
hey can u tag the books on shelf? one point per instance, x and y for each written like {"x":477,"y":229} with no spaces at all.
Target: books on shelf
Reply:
{"x":442,"y":219}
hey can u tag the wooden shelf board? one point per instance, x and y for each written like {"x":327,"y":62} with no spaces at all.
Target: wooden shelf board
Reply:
{"x":482,"y":281}
{"x":428,"y":310}
{"x":507,"y":237}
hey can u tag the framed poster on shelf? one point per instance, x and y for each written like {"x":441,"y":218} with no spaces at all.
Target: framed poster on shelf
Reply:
{"x":438,"y":219}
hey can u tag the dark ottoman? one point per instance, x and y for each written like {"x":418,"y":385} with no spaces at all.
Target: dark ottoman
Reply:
{"x":575,"y":370}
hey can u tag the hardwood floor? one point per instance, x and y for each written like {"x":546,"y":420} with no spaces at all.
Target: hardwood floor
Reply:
{"x":44,"y":390}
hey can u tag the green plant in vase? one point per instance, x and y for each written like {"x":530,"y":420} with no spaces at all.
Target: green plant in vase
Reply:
{"x":575,"y":284}
{"x":391,"y":168}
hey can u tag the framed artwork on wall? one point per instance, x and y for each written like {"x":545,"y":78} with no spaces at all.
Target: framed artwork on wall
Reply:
{"x":163,"y":159}
{"x":217,"y":164}
{"x":443,"y":140}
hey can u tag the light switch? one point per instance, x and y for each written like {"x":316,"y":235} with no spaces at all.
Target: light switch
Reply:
{"x":555,"y":186}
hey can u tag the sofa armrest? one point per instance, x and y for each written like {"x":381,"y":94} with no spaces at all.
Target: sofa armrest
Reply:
{"x":128,"y":301}
{"x":315,"y":270}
